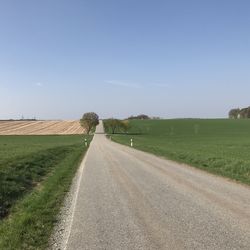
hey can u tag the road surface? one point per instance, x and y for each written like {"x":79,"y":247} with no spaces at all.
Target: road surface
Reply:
{"x":129,"y":199}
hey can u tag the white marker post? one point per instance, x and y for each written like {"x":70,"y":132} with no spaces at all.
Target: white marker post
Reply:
{"x":131,"y":142}
{"x":86,"y":143}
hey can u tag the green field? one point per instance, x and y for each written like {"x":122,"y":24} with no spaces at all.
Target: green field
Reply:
{"x":35,"y":174}
{"x":220,"y":146}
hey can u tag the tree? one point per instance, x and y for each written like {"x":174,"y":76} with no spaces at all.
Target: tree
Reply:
{"x":115,"y":125}
{"x":89,"y":121}
{"x":248,"y":112}
{"x":244,"y":113}
{"x":234,"y":113}
{"x":112,"y":124}
{"x":125,"y":125}
{"x":143,"y":117}
{"x":139,"y":117}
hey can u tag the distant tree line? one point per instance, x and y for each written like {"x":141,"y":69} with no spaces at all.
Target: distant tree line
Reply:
{"x":143,"y":117}
{"x":139,"y":117}
{"x":238,"y":113}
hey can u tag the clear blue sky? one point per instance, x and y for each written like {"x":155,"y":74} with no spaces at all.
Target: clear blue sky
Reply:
{"x":179,"y":58}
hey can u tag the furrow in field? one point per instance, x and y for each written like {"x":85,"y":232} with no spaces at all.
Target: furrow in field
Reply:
{"x":66,"y":127}
{"x":4,"y":125}
{"x":29,"y":130}
{"x":61,"y":127}
{"x":14,"y":125}
{"x":73,"y":128}
{"x":45,"y":127}
{"x":40,"y":127}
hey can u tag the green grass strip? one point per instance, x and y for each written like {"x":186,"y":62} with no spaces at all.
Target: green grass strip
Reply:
{"x":20,"y":175}
{"x":219,"y":146}
{"x":31,"y":220}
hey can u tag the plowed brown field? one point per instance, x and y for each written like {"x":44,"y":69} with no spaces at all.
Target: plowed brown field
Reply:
{"x":40,"y":128}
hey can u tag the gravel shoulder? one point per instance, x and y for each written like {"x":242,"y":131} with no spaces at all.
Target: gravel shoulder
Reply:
{"x":61,"y":232}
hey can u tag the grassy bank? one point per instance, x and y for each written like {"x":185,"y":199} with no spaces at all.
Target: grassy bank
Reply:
{"x":219,"y":146}
{"x":34,"y":180}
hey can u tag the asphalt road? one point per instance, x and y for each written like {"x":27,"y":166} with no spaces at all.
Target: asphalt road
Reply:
{"x":129,"y":199}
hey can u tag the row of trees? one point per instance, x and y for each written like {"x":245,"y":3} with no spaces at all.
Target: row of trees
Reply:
{"x":116,"y":125}
{"x":139,"y":117}
{"x":90,"y":120}
{"x":143,"y":117}
{"x":238,"y":113}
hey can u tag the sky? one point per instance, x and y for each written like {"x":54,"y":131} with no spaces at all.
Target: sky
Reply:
{"x":172,"y":59}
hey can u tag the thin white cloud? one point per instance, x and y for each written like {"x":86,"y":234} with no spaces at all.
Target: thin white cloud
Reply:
{"x":136,"y":85}
{"x":38,"y":84}
{"x":124,"y":84}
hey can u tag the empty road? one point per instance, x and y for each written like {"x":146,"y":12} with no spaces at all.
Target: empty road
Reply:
{"x":129,"y":199}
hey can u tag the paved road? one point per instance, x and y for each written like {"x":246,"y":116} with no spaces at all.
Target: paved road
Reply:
{"x":133,"y":200}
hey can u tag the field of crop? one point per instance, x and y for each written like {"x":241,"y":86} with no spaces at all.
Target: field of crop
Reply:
{"x":40,"y":128}
{"x":35,"y":174}
{"x":219,"y":146}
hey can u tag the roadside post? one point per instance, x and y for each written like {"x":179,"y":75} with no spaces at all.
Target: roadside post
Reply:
{"x":131,"y":142}
{"x":86,"y":143}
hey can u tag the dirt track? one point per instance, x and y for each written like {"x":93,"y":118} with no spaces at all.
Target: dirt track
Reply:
{"x":40,"y":128}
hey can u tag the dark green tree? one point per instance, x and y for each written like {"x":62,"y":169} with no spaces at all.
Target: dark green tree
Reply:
{"x":244,"y":113}
{"x":234,"y":113}
{"x":125,"y":126}
{"x":139,"y":117}
{"x":89,"y":121}
{"x":113,"y":124}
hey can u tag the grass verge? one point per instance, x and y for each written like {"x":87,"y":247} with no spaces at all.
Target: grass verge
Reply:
{"x":219,"y":146}
{"x":33,"y":212}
